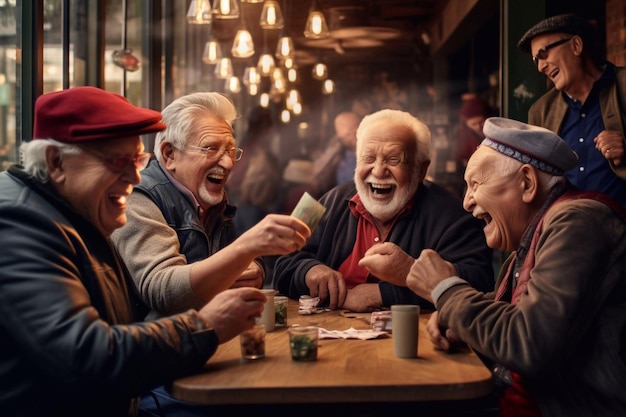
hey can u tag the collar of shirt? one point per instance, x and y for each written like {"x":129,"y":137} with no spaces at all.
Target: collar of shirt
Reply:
{"x":359,"y":211}
{"x":183,"y":190}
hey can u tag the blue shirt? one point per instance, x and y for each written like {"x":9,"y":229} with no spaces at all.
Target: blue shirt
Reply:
{"x":582,"y":123}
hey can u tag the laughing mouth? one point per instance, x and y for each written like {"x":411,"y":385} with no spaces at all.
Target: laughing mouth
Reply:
{"x":215,"y":178}
{"x":381,"y":188}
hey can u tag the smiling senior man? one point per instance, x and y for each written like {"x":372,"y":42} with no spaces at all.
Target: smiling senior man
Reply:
{"x":553,"y":330}
{"x":586,"y":105}
{"x":389,"y":209}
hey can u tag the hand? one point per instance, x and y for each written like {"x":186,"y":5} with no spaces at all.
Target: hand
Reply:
{"x":441,"y":342}
{"x":611,"y":144}
{"x":364,"y":298}
{"x":388,"y":262}
{"x":251,"y":277}
{"x":327,"y":284}
{"x":232,"y":311}
{"x":428,"y":271}
{"x":275,"y":234}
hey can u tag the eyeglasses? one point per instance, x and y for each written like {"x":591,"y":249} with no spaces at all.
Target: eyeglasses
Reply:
{"x":119,"y":164}
{"x":213,"y":152}
{"x":543,"y":52}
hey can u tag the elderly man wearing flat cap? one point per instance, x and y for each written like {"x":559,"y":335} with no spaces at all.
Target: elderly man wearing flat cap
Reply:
{"x":553,"y":329}
{"x":73,"y":343}
{"x":586,"y":105}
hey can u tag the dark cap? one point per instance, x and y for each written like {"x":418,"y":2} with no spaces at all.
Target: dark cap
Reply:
{"x":529,"y":144}
{"x":82,"y":114}
{"x":564,"y":23}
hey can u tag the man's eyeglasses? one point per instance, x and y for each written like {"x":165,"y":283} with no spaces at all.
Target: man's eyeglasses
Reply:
{"x":213,"y":152}
{"x":119,"y":164}
{"x":543,"y":52}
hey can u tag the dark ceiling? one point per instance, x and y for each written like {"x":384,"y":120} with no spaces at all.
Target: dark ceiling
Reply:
{"x":361,"y":31}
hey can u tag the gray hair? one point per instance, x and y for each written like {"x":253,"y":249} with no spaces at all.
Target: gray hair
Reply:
{"x":397,"y":118}
{"x":180,"y":116}
{"x":33,"y":156}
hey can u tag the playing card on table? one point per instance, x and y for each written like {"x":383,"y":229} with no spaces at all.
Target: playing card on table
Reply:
{"x":309,"y":211}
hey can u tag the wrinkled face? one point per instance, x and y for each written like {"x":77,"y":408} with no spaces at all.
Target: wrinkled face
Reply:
{"x":386,"y":175}
{"x":557,"y":60}
{"x":96,"y":182}
{"x":203,"y":173}
{"x":476,"y":124}
{"x":495,"y":198}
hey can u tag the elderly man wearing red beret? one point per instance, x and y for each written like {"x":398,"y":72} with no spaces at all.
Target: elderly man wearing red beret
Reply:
{"x":586,"y":105}
{"x":554,"y":329}
{"x":72,"y":342}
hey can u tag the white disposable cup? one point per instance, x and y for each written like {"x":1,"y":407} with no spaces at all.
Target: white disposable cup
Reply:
{"x":405,"y":329}
{"x":268,"y":317}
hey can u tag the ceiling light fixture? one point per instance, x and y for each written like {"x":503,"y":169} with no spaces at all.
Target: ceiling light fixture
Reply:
{"x":225,"y":9}
{"x":199,"y":12}
{"x":271,"y":15}
{"x":243,"y":45}
{"x":316,"y":27}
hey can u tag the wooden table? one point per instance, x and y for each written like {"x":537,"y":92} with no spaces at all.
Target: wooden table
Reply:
{"x":346,"y":371}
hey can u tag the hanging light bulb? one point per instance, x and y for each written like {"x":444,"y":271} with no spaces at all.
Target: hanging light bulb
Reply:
{"x":285,"y":116}
{"x":284,"y":48}
{"x":251,"y":76}
{"x":316,"y":26}
{"x":320,"y":71}
{"x":199,"y":12}
{"x":224,"y":68}
{"x":253,"y":89}
{"x":289,"y":63}
{"x":225,"y":9}
{"x":232,"y":85}
{"x":297,"y":109}
{"x":264,"y":100}
{"x":271,"y":15}
{"x":328,"y":87}
{"x":292,"y":75}
{"x":266,"y":64}
{"x":252,"y":1}
{"x":212,"y":51}
{"x":243,"y":46}
{"x":293,"y":97}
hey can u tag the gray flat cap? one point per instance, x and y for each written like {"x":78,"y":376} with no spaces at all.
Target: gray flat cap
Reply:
{"x":564,"y":23}
{"x":529,"y":144}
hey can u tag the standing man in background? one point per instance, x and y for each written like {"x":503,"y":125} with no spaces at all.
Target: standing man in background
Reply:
{"x":586,"y":105}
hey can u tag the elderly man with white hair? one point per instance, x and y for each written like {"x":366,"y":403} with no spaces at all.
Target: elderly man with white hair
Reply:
{"x":389,"y":205}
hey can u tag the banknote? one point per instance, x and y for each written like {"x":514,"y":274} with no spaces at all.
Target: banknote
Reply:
{"x":309,"y":210}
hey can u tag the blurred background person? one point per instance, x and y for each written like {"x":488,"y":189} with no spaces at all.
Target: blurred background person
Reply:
{"x":254,"y":184}
{"x":335,"y":164}
{"x":472,"y":115}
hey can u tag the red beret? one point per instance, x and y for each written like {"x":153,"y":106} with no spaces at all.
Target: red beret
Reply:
{"x":82,"y":114}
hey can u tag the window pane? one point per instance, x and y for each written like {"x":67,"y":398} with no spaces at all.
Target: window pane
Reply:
{"x":8,"y":44}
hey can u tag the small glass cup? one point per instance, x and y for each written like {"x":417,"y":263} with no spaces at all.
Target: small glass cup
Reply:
{"x":280,"y":307}
{"x":253,"y":342}
{"x":303,"y":343}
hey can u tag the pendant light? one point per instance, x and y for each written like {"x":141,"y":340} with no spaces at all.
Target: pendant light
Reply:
{"x":199,"y":12}
{"x":271,"y":15}
{"x":316,"y":27}
{"x":266,"y":62}
{"x":328,"y":87}
{"x":224,"y":68}
{"x":243,"y":45}
{"x":319,"y":71}
{"x":212,"y":51}
{"x":225,"y":9}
